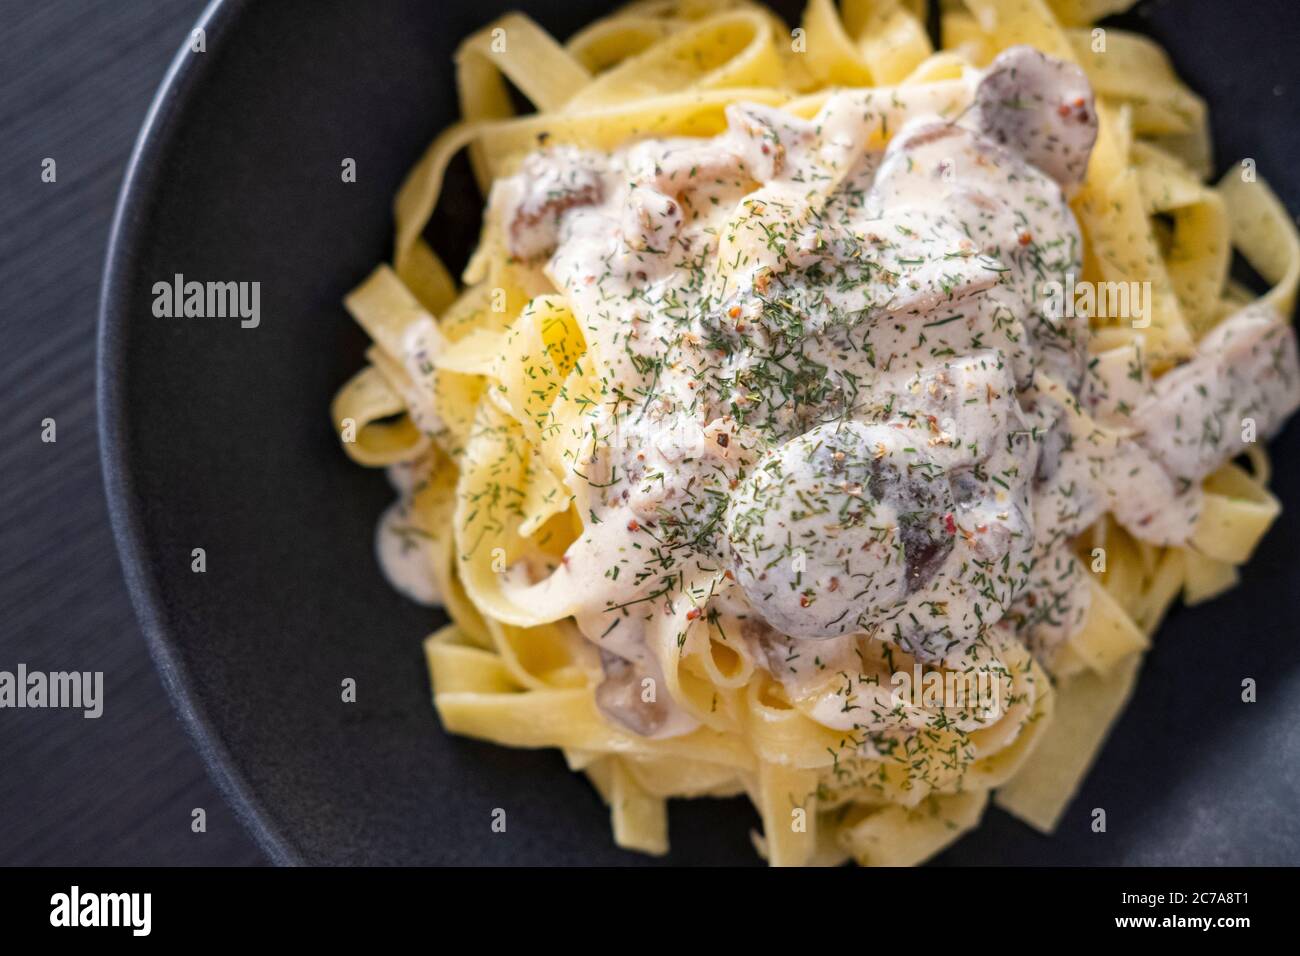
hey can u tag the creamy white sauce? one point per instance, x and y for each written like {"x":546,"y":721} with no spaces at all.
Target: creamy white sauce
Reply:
{"x":834,"y":400}
{"x":421,"y":342}
{"x":404,"y":551}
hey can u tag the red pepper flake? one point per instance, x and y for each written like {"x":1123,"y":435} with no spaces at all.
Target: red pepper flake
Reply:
{"x":1026,"y":238}
{"x":1079,"y":102}
{"x":949,"y":523}
{"x":835,"y":585}
{"x":734,"y":312}
{"x":692,"y":614}
{"x":1063,"y":109}
{"x":804,"y":600}
{"x":633,"y":526}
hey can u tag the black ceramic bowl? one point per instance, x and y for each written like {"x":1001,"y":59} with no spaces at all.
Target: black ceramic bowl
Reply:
{"x":217,"y":437}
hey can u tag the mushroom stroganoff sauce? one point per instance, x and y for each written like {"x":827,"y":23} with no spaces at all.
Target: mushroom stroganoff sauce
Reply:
{"x":790,"y":411}
{"x":829,"y":373}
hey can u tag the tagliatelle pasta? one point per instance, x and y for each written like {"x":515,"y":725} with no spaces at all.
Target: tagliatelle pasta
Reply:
{"x":823,"y":416}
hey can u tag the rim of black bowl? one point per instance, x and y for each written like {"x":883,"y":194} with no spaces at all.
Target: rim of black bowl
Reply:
{"x":155,"y":141}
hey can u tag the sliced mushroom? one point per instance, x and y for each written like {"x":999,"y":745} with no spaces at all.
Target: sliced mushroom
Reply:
{"x":764,"y":137}
{"x":1011,"y":215}
{"x":1242,"y":384}
{"x":633,"y":697}
{"x":857,"y":527}
{"x":1043,"y":109}
{"x":548,"y":185}
{"x":651,"y":220}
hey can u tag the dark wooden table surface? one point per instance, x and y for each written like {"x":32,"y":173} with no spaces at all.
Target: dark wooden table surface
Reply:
{"x":76,"y":78}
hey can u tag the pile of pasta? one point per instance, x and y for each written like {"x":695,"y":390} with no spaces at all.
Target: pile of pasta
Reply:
{"x":512,"y":393}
